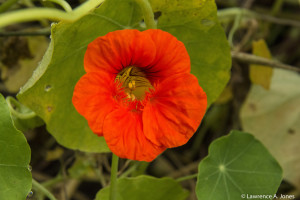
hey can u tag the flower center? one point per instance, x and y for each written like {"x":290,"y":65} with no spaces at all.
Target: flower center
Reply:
{"x":134,"y":81}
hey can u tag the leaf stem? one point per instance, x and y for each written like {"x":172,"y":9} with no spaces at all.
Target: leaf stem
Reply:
{"x":184,"y":178}
{"x":230,"y":13}
{"x":32,"y":14}
{"x":86,"y":7}
{"x":148,"y":13}
{"x":129,"y":171}
{"x":63,"y":4}
{"x":235,"y":27}
{"x":15,"y":107}
{"x":253,"y":59}
{"x":42,"y":189}
{"x":113,"y":177}
{"x":54,"y":181}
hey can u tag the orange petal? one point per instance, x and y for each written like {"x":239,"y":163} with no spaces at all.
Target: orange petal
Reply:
{"x":119,"y":49}
{"x":93,"y":98}
{"x":171,"y":55}
{"x":175,"y":111}
{"x":123,"y":132}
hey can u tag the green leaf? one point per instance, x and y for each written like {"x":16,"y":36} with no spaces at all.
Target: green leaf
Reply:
{"x":15,"y":178}
{"x":195,"y":23}
{"x":237,"y":165}
{"x":49,"y":92}
{"x":273,"y":116}
{"x":146,"y":188}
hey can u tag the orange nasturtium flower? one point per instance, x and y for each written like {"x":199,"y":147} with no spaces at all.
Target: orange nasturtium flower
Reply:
{"x":139,"y":94}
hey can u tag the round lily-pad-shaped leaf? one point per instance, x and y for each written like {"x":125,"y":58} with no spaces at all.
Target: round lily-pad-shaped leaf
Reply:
{"x":146,"y":188}
{"x":49,"y":92}
{"x":238,"y":167}
{"x":195,"y":23}
{"x":15,"y":178}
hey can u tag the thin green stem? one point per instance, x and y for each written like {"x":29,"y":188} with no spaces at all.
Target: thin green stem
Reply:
{"x":16,"y":108}
{"x":148,"y":13}
{"x":32,"y":14}
{"x":63,"y":4}
{"x":230,"y":13}
{"x":141,"y":168}
{"x":86,"y":7}
{"x":184,"y":178}
{"x":253,"y":59}
{"x":235,"y":27}
{"x":6,"y":5}
{"x":101,"y":176}
{"x":129,"y":171}
{"x":54,"y":181}
{"x":113,"y":177}
{"x":42,"y":189}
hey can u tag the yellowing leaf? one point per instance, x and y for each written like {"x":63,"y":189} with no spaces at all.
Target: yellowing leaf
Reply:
{"x":273,"y":117}
{"x":261,"y":74}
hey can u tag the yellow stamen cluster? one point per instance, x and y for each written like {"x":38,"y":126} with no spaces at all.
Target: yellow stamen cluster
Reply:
{"x":134,"y":81}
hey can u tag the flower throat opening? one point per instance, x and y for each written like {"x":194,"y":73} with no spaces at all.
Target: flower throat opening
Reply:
{"x":134,"y":81}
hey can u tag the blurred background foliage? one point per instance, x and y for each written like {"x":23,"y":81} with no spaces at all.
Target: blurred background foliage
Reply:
{"x":259,"y":99}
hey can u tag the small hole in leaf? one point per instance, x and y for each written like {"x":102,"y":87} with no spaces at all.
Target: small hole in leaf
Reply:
{"x":48,"y":88}
{"x":157,"y":15}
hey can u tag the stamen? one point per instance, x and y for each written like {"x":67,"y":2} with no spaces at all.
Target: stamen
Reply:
{"x":134,"y":82}
{"x":131,"y":84}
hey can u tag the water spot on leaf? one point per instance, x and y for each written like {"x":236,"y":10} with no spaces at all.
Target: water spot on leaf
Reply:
{"x":29,"y":168}
{"x":30,"y":194}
